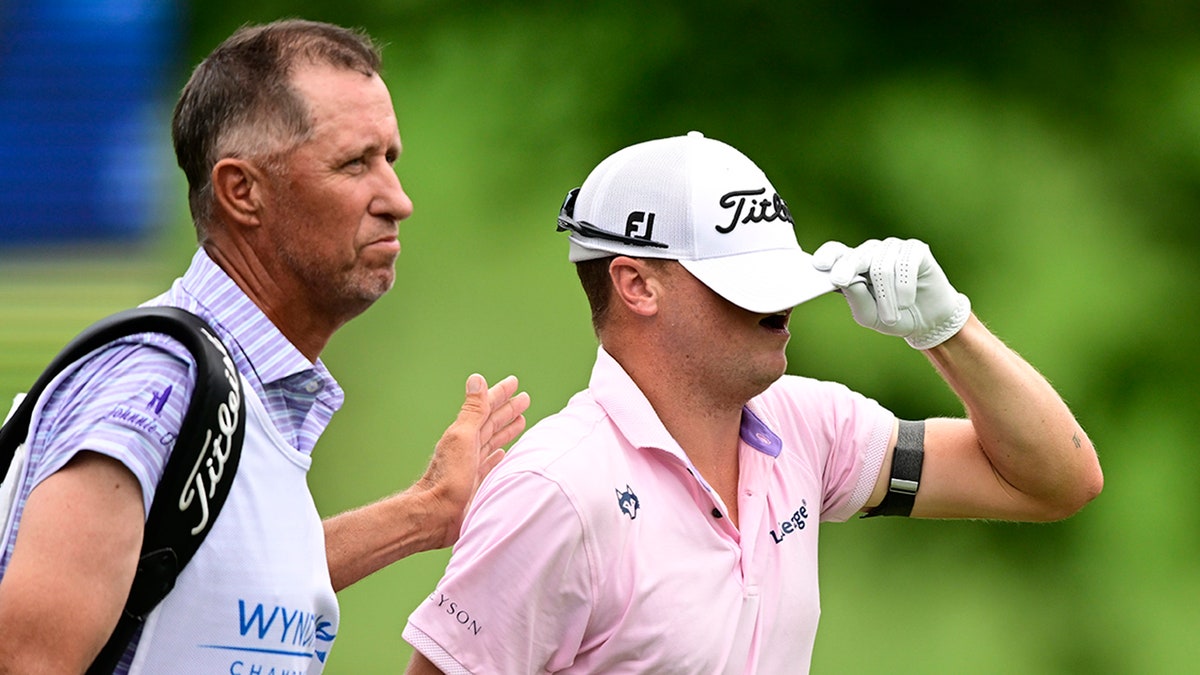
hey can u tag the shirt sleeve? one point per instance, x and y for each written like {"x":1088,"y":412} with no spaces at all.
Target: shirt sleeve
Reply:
{"x":517,"y":593}
{"x":839,"y":430}
{"x":126,"y":401}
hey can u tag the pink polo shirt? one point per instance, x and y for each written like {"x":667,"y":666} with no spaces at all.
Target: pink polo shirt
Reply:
{"x":596,"y":546}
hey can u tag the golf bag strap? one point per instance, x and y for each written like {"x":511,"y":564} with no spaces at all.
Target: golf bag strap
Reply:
{"x":198,"y":474}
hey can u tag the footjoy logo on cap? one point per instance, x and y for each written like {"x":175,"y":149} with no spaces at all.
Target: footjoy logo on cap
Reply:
{"x":640,"y":225}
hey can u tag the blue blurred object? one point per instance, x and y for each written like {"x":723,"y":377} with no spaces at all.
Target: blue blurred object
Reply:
{"x":82,"y":128}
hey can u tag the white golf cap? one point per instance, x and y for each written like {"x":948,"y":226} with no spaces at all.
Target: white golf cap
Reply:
{"x":703,"y":203}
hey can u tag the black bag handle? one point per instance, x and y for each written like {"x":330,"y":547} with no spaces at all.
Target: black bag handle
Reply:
{"x":199,"y":472}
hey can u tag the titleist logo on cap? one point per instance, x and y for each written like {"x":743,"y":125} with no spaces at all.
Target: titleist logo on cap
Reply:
{"x":760,"y":210}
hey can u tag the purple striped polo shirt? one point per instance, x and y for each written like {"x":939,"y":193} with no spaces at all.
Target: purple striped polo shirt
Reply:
{"x":127,"y":400}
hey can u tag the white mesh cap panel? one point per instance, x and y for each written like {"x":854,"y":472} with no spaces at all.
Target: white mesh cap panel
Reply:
{"x":640,"y":179}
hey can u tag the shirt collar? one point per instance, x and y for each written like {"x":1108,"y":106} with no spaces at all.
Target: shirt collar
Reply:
{"x":633,"y":415}
{"x":267,"y":353}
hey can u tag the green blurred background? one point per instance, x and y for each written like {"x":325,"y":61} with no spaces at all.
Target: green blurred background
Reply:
{"x":1048,"y":152}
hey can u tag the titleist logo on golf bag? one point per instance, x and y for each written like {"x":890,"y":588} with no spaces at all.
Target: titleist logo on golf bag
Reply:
{"x":759,"y":211}
{"x":217,"y":446}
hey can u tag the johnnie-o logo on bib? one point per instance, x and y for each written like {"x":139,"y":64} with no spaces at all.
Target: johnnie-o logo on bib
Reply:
{"x":746,"y":209}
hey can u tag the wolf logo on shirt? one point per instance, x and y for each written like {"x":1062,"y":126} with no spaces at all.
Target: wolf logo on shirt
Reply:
{"x":628,"y":502}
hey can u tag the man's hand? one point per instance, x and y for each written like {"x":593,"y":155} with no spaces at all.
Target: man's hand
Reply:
{"x":429,"y":514}
{"x":895,"y":287}
{"x":471,"y":447}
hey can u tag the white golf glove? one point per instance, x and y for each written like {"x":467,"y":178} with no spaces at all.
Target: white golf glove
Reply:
{"x":895,"y":286}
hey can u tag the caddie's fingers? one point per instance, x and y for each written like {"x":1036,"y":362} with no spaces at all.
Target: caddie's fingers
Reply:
{"x":502,"y":391}
{"x":827,"y":254}
{"x":510,"y":410}
{"x":475,"y":406}
{"x":506,"y":434}
{"x":490,"y":462}
{"x":476,"y":383}
{"x":883,"y":278}
{"x":501,"y":419}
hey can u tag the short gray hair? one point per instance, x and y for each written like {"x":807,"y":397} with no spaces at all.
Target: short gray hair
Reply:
{"x":239,"y":102}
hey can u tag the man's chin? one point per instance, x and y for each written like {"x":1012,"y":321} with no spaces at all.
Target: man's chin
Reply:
{"x":378,"y":287}
{"x":367,"y":290}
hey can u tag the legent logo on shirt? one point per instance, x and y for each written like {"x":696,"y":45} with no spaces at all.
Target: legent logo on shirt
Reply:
{"x":794,"y":524}
{"x":455,"y":610}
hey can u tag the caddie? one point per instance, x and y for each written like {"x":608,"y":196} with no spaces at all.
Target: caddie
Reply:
{"x":288,"y":139}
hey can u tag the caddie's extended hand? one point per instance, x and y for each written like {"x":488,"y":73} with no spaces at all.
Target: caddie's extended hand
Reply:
{"x":895,"y":286}
{"x":472,"y":446}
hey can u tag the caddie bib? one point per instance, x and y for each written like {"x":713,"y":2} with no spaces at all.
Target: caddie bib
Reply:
{"x":257,"y":597}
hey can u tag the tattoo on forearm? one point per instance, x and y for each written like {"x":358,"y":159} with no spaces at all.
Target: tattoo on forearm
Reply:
{"x":1076,"y":441}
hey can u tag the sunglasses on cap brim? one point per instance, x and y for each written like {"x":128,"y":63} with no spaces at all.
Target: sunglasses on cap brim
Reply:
{"x":567,"y":222}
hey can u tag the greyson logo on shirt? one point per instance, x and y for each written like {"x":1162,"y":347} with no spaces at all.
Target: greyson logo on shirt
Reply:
{"x":456,"y":611}
{"x":794,"y":524}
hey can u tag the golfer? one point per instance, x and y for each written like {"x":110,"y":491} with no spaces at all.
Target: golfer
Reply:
{"x":667,"y":519}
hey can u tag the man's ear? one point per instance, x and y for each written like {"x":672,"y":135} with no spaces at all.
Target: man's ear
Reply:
{"x":238,"y":190}
{"x":636,"y":284}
